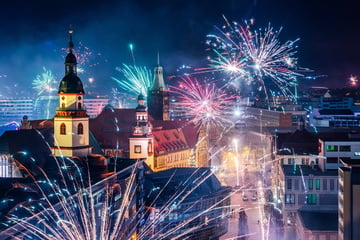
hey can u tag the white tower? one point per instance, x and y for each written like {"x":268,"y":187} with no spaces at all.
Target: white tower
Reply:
{"x":71,"y":123}
{"x":141,"y":142}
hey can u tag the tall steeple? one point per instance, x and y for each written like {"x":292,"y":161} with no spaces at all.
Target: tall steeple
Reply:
{"x":158,"y":96}
{"x":159,"y":82}
{"x":71,"y":122}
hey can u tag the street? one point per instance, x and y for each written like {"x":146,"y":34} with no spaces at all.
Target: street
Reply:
{"x":245,"y":168}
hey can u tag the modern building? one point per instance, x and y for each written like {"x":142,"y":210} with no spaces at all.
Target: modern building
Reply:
{"x":349,"y":197}
{"x":14,"y":109}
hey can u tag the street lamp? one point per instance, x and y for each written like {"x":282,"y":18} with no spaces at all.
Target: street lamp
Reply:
{"x":235,"y":142}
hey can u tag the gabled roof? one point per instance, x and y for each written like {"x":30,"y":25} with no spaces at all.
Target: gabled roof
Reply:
{"x":29,"y":142}
{"x":189,"y":129}
{"x":170,"y":140}
{"x":113,"y":127}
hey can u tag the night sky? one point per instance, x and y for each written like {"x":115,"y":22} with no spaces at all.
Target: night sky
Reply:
{"x":33,"y":33}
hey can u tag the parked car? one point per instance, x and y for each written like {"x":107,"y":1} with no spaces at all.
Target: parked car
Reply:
{"x":245,"y":198}
{"x":254,"y":197}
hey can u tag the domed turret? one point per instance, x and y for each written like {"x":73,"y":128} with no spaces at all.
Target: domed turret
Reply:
{"x":71,"y":83}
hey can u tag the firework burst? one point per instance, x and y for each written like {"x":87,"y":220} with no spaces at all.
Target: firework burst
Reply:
{"x":257,"y":57}
{"x":206,"y":104}
{"x":137,"y":79}
{"x":44,"y":82}
{"x":85,"y":57}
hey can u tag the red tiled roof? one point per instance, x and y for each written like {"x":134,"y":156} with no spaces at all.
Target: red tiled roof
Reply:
{"x":170,"y":140}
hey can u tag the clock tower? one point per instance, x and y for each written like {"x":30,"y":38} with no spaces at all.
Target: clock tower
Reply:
{"x":71,"y":122}
{"x":141,"y":142}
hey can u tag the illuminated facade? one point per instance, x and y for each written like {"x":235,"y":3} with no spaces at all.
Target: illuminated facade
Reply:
{"x":71,"y":122}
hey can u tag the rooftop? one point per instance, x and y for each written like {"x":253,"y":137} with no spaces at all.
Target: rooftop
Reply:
{"x":319,"y":221}
{"x":306,"y":170}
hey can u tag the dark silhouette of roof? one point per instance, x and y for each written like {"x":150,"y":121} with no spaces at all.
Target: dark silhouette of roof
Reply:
{"x":336,"y":112}
{"x":198,"y":182}
{"x":71,"y":83}
{"x":300,"y":142}
{"x":319,"y":221}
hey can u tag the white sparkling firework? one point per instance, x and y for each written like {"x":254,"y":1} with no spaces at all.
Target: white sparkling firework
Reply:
{"x":206,"y":104}
{"x":257,"y":57}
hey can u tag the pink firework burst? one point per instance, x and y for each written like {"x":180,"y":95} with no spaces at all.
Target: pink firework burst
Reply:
{"x":204,"y":103}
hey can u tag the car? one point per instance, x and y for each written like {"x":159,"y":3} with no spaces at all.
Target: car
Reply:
{"x":245,"y":198}
{"x":254,"y":198}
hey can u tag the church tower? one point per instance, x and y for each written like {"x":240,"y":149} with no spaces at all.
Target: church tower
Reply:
{"x":141,"y":142}
{"x":158,"y":97}
{"x":71,"y":123}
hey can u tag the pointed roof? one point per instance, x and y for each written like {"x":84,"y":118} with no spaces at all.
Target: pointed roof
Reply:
{"x":71,"y":83}
{"x":159,"y":83}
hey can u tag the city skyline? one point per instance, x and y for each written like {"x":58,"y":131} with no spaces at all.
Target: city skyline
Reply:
{"x":33,"y":36}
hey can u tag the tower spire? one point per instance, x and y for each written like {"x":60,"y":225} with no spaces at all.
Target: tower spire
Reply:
{"x":159,"y":82}
{"x":158,"y":58}
{"x":71,"y":44}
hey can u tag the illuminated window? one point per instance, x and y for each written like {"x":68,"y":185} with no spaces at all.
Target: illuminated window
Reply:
{"x":80,"y":129}
{"x":317,"y":184}
{"x":311,"y":199}
{"x":63,"y":105}
{"x":62,"y":129}
{"x":331,"y":148}
{"x":289,"y":199}
{"x":137,"y":148}
{"x":311,"y":184}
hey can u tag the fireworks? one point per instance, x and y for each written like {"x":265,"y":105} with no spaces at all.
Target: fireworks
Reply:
{"x":137,"y":79}
{"x":256,"y":57}
{"x":84,"y":56}
{"x":353,"y":81}
{"x":44,"y":82}
{"x":205,"y":103}
{"x":70,"y":208}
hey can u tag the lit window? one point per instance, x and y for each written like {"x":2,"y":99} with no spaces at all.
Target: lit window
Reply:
{"x":311,"y":184}
{"x":311,"y":199}
{"x":317,"y":184}
{"x":62,"y":129}
{"x":137,"y":148}
{"x":289,"y":199}
{"x":80,"y":129}
{"x":331,"y":148}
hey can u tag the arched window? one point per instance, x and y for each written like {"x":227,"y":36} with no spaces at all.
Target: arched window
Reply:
{"x":79,"y":105}
{"x":63,"y":105}
{"x":63,"y":129}
{"x":80,"y":129}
